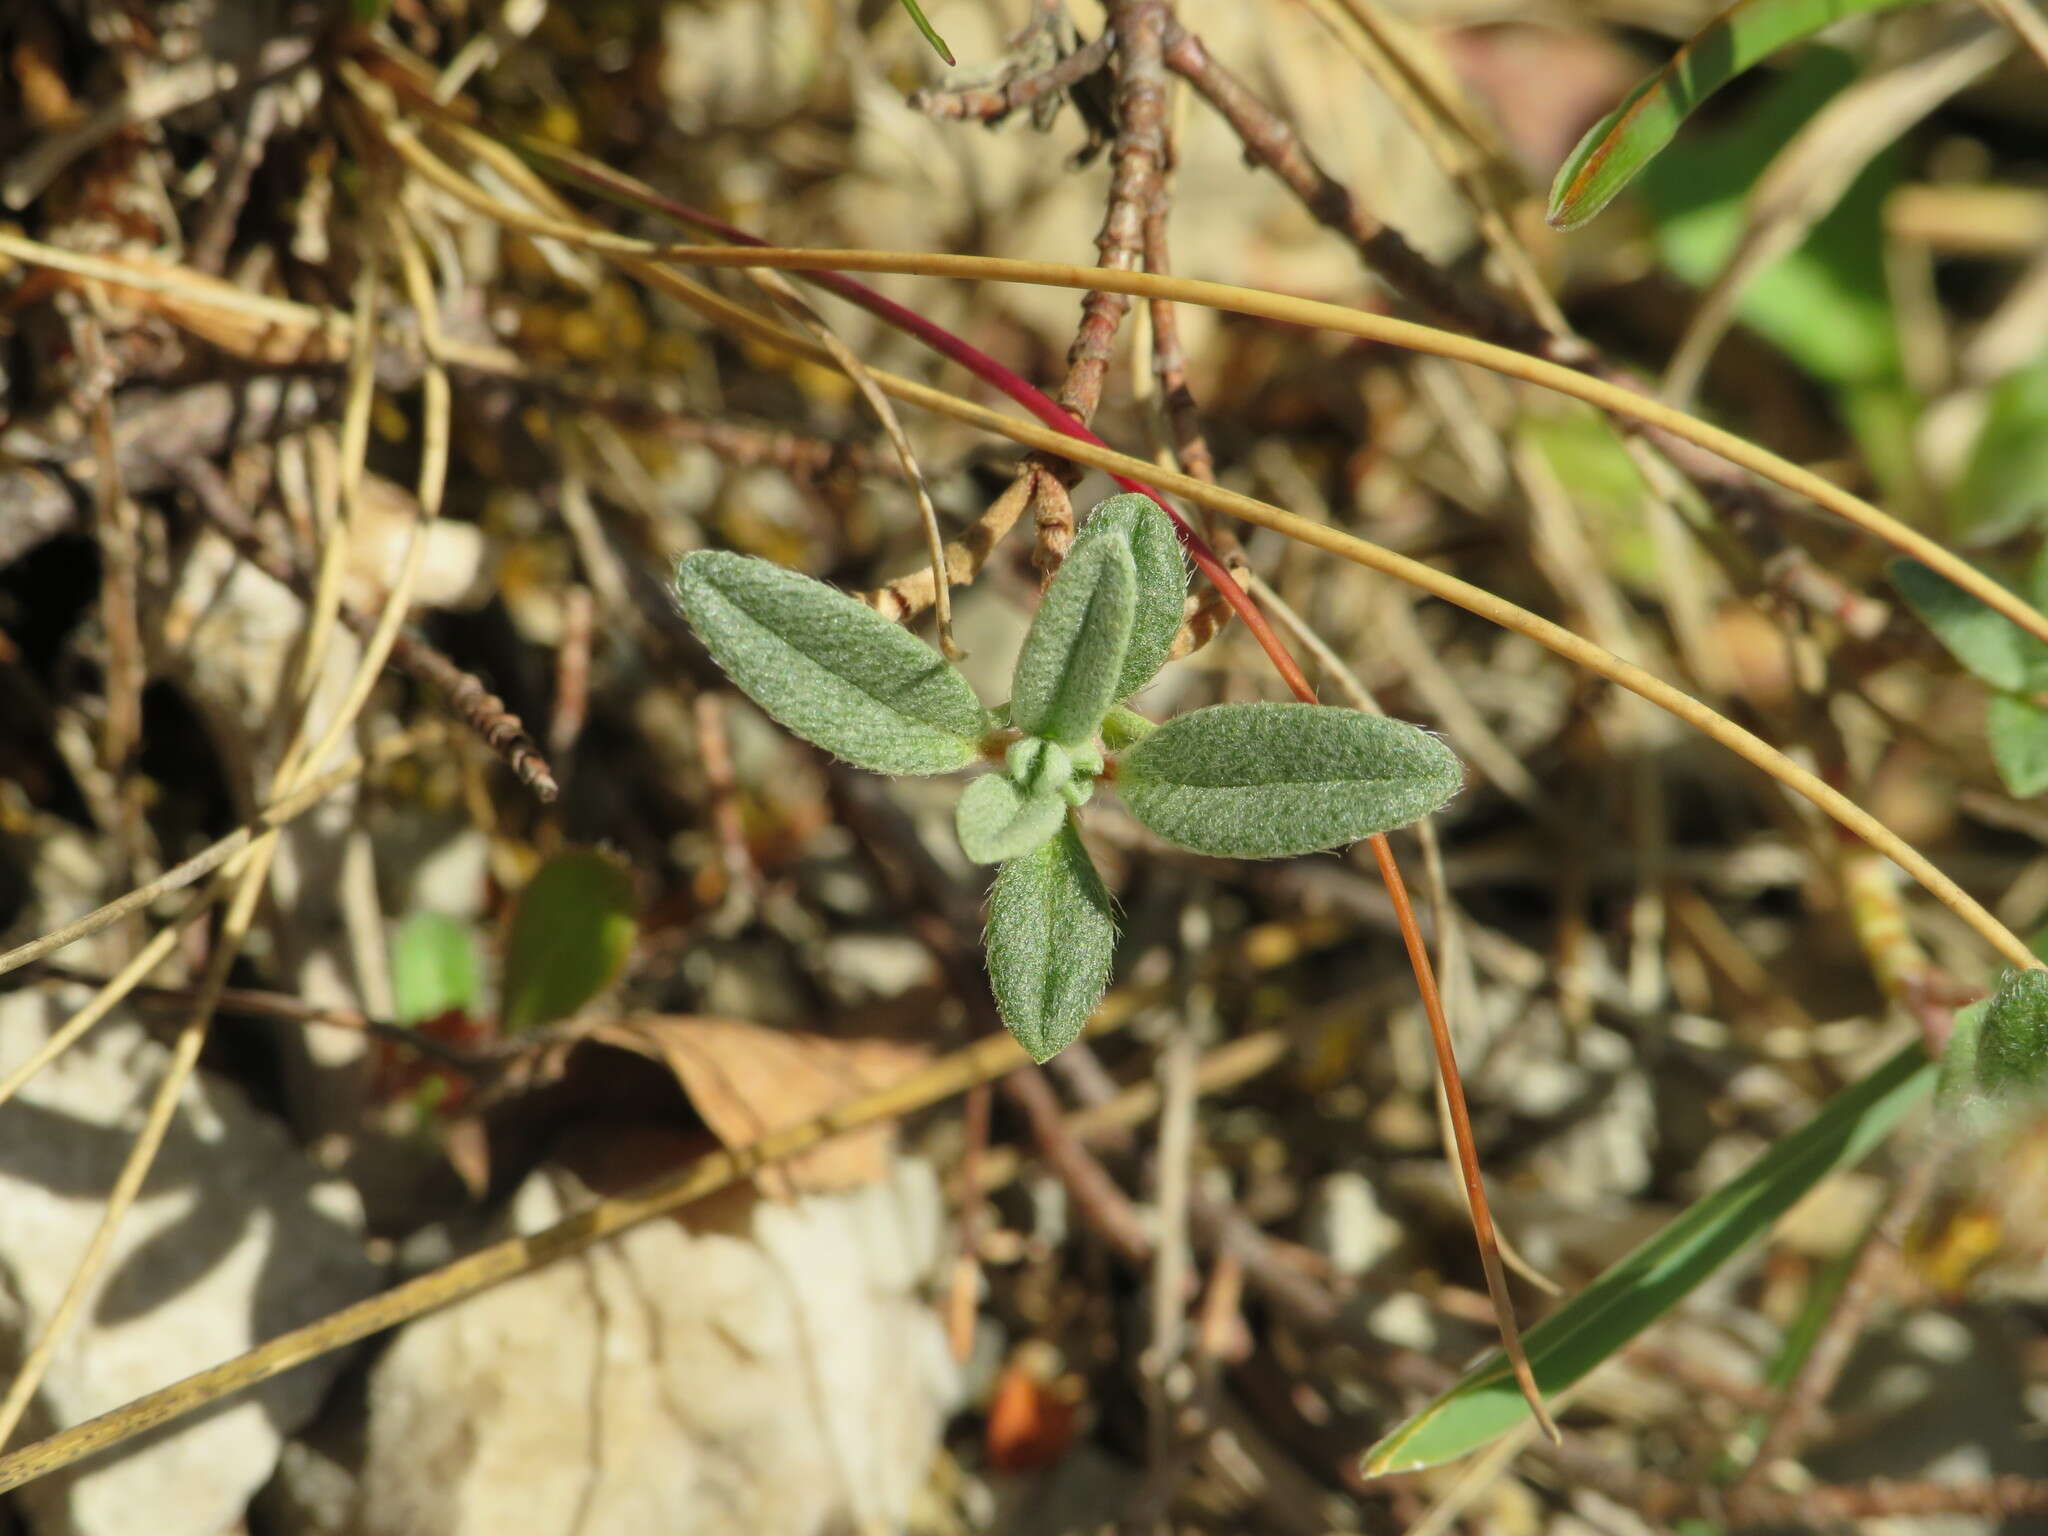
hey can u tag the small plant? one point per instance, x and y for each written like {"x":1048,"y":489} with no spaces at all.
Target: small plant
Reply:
{"x":1235,"y":780}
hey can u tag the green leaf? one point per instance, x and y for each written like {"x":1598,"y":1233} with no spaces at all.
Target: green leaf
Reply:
{"x":830,"y":668}
{"x":1959,"y":1099}
{"x":930,"y":35}
{"x":1825,"y":304}
{"x":2018,"y":728}
{"x":1989,"y":644}
{"x":1123,"y":727}
{"x":1643,"y":1287}
{"x":1073,"y":658}
{"x":1617,"y":147}
{"x":2012,"y":1049}
{"x":1051,"y":936}
{"x":569,"y":937}
{"x":2004,"y":488}
{"x":997,"y":820}
{"x":1261,"y":781}
{"x":1162,"y":572}
{"x":433,"y":967}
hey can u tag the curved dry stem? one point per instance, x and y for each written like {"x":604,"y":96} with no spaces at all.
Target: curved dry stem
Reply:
{"x":208,"y":859}
{"x":1554,"y":637}
{"x":981,"y":1062}
{"x":1497,"y":610}
{"x":1313,"y":314}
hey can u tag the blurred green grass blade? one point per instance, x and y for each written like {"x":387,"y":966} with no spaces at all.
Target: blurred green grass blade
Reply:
{"x":930,"y":35}
{"x":1617,"y":147}
{"x":1657,"y":1276}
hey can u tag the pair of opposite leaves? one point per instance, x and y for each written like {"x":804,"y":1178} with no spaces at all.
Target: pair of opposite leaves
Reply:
{"x":1235,"y":780}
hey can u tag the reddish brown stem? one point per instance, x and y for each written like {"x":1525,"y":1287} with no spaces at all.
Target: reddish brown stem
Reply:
{"x":1461,"y":1131}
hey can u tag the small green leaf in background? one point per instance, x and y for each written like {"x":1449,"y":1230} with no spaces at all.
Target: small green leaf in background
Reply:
{"x":1993,"y":648}
{"x":571,"y":931}
{"x":2018,"y":728}
{"x":930,"y":34}
{"x":2012,"y":1047}
{"x":1594,"y":1325}
{"x":1617,"y":148}
{"x":997,"y":819}
{"x":1827,"y":304}
{"x":2004,"y":488}
{"x":433,"y":967}
{"x":1072,"y":658}
{"x":1262,"y":781}
{"x":830,"y":668}
{"x":1051,"y":937}
{"x":1162,"y":587}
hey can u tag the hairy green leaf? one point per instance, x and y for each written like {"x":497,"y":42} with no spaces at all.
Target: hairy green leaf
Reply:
{"x":1073,"y":658}
{"x":2018,"y":728}
{"x":1123,"y":727}
{"x":1989,"y":644}
{"x":1261,"y":781}
{"x":997,"y":819}
{"x":1162,"y":572}
{"x":2012,"y":1048}
{"x":1038,"y":766}
{"x":1600,"y":1320}
{"x":433,"y":967}
{"x":829,"y":668}
{"x":1958,"y":1097}
{"x":1051,"y":936}
{"x":1617,"y":147}
{"x":569,"y":937}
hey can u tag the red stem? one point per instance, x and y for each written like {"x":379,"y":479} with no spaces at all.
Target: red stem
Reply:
{"x":977,"y":362}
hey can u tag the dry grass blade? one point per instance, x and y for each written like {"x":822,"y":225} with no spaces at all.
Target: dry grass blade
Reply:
{"x":2026,"y":23}
{"x":208,"y":859}
{"x":1310,"y":313}
{"x":984,"y":1061}
{"x":850,"y":364}
{"x":1554,"y":637}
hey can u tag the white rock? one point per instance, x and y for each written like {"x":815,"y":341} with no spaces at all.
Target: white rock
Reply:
{"x":783,"y":1377}
{"x":1347,"y":1225}
{"x":234,"y":1240}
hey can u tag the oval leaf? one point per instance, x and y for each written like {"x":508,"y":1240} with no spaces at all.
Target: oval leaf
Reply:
{"x":1641,"y":1288}
{"x":1051,"y":936}
{"x":568,"y":939}
{"x":997,"y":820}
{"x":830,"y":668}
{"x":1989,"y":644}
{"x":1262,"y":781}
{"x":2004,"y":489}
{"x":2012,"y":1045}
{"x":2018,"y":728}
{"x":1162,"y":573}
{"x":433,"y":967}
{"x":1617,"y":147}
{"x":1073,"y":658}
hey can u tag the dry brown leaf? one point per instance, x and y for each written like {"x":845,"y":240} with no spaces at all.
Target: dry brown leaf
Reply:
{"x":747,"y":1080}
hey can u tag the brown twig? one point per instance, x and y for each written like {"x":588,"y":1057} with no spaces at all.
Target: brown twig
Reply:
{"x":1271,"y":140}
{"x":464,"y":695}
{"x":1019,"y":87}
